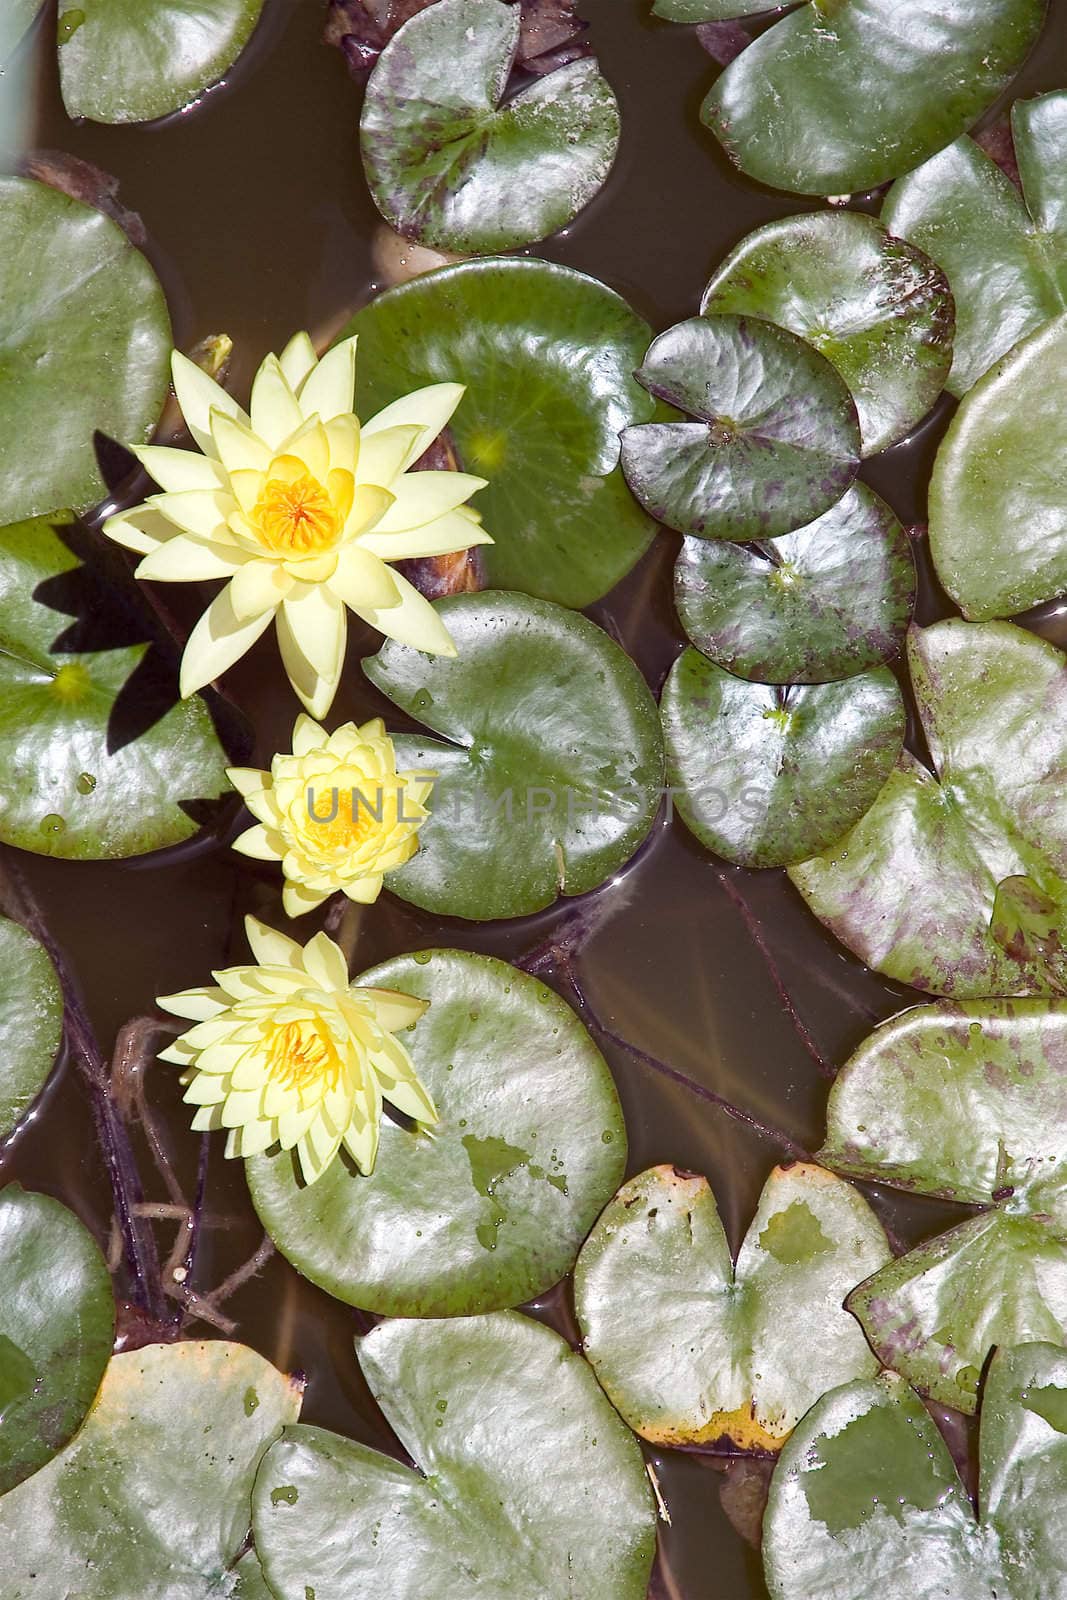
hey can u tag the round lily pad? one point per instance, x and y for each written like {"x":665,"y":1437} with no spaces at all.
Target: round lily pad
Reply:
{"x":828,"y":601}
{"x":773,"y":439}
{"x":759,"y":773}
{"x":878,"y":309}
{"x":998,"y":506}
{"x":98,"y":757}
{"x":153,"y":1495}
{"x":555,"y":770}
{"x":1002,"y":247}
{"x":86,"y":341}
{"x":57,"y":1322}
{"x":548,"y":356}
{"x":526,"y":1484}
{"x":490,"y":1208}
{"x":135,"y":60}
{"x":31,"y":1025}
{"x":866,"y":1493}
{"x":842,"y":95}
{"x":962,"y":1101}
{"x":451,"y":162}
{"x":691,"y":1350}
{"x":913,"y":888}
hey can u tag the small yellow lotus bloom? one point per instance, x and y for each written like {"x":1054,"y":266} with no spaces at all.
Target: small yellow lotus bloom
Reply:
{"x":302,"y":509}
{"x":290,"y":1052}
{"x":335,"y":813}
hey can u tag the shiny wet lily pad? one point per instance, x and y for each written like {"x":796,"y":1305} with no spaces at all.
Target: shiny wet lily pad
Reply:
{"x":489,"y":1208}
{"x":695,"y":1351}
{"x":31,"y":1022}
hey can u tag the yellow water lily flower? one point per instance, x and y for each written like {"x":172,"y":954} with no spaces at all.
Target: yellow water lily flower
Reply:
{"x":302,"y":509}
{"x":335,"y":813}
{"x":290,"y":1052}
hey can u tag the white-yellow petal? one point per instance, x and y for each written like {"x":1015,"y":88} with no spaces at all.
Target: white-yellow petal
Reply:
{"x":382,"y":455}
{"x":392,"y":1009}
{"x":307,"y":735}
{"x":186,"y":560}
{"x":142,"y":529}
{"x":297,"y":360}
{"x":271,"y":948}
{"x":201,"y":512}
{"x":363,"y":581}
{"x":218,"y":640}
{"x":255,"y":842}
{"x":413,"y":622}
{"x":315,"y":618}
{"x":419,"y":497}
{"x":329,"y":390}
{"x":258,"y":586}
{"x":198,"y":1005}
{"x":324,"y":963}
{"x":298,"y":899}
{"x":442,"y":537}
{"x":239,"y":449}
{"x":430,"y":409}
{"x":248,"y":780}
{"x":177,"y":470}
{"x":198,"y":395}
{"x":275,"y":412}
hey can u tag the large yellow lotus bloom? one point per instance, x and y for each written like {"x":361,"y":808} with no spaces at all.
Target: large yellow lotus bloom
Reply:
{"x":335,"y":813}
{"x":301,"y":509}
{"x":290,"y":1052}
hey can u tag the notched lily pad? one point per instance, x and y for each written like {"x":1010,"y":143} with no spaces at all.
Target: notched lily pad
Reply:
{"x":998,"y":505}
{"x":759,"y":773}
{"x":57,"y":1322}
{"x":98,"y":757}
{"x":1003,"y":249}
{"x":865,"y":1496}
{"x":842,"y":95}
{"x":491,"y":1209}
{"x":772,"y":439}
{"x":825,"y":602}
{"x":547,"y":355}
{"x":878,"y":309}
{"x":452,"y":163}
{"x":554,"y":772}
{"x":153,"y":1495}
{"x":31,"y":1023}
{"x":691,"y":1350}
{"x":965,"y":1102}
{"x":912,"y":888}
{"x":527,"y":1484}
{"x":136,"y":60}
{"x":86,"y":340}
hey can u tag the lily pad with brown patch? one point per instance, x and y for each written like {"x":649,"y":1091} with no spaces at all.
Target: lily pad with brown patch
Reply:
{"x":693,"y":1350}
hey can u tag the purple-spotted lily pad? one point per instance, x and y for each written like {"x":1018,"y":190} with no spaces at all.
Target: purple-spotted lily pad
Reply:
{"x":455,"y":165}
{"x":827,"y":601}
{"x":913,"y":887}
{"x":839,"y":96}
{"x":772,"y":438}
{"x":878,"y":309}
{"x":865,"y":1500}
{"x":963,"y":1101}
{"x":692,"y":1350}
{"x":759,"y":773}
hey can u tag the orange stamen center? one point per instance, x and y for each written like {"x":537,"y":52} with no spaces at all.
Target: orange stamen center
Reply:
{"x":301,"y":1055}
{"x":296,"y":518}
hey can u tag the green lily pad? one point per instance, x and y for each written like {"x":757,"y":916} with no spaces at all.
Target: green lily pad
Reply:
{"x":998,"y":505}
{"x":528,"y":1485}
{"x":135,"y":60}
{"x":57,"y":1322}
{"x":86,"y":342}
{"x":842,"y":95}
{"x":31,"y":1025}
{"x":825,"y":602}
{"x":765,"y":776}
{"x":865,"y":1500}
{"x":555,"y":770}
{"x":773,"y":439}
{"x":491,"y":1209}
{"x":963,"y":1101}
{"x":153,"y":1496}
{"x":691,"y":1350}
{"x":912,"y":888}
{"x":98,"y":758}
{"x":1004,"y":251}
{"x":17,"y":20}
{"x":451,"y":162}
{"x":548,"y":357}
{"x":878,"y":309}
{"x":709,"y":10}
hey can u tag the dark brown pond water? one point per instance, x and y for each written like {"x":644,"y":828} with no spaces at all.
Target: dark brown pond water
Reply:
{"x":259,"y":223}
